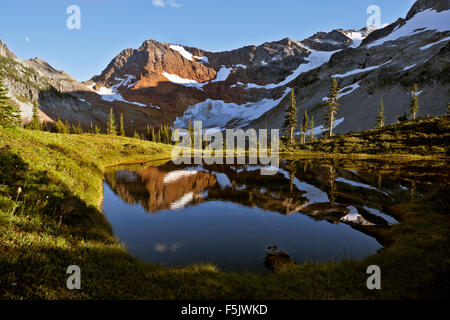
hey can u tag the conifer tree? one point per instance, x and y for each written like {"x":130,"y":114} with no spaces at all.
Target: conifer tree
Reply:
{"x":121,"y":129}
{"x":152,"y":137}
{"x":332,"y":107}
{"x":79,"y":129}
{"x":304,"y":126}
{"x":311,"y":129}
{"x":60,"y":127}
{"x":9,"y":116}
{"x":414,"y":102}
{"x":136,"y":135}
{"x":67,"y":125}
{"x":97,"y":130}
{"x":35,"y":123}
{"x":91,"y":128}
{"x":290,"y":122}
{"x":380,"y":115}
{"x":448,"y":109}
{"x":111,"y":124}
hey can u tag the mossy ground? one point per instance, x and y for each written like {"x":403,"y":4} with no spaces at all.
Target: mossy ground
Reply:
{"x":56,"y":221}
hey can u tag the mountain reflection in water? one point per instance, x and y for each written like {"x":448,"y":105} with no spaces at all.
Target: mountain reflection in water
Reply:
{"x":229,"y":214}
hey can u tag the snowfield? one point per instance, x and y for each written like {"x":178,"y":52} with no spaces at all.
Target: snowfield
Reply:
{"x":356,"y":71}
{"x":222,"y":75}
{"x":315,"y":60}
{"x":343,"y":91}
{"x":321,"y":129}
{"x":112,"y":94}
{"x":187,"y":55}
{"x":217,"y":113}
{"x":426,"y":20}
{"x":434,"y":43}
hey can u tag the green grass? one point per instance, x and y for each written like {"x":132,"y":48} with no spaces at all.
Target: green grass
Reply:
{"x":428,"y":137}
{"x":56,"y":221}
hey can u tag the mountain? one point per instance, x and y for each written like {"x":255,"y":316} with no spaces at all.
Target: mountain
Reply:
{"x":160,"y":83}
{"x":57,"y":93}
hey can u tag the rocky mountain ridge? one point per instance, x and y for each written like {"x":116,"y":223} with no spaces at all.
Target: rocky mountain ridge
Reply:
{"x":161,"y":83}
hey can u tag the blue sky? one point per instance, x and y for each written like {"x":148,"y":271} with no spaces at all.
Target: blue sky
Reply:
{"x":38,"y":28}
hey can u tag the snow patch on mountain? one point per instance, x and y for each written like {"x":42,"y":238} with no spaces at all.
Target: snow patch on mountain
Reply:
{"x":356,"y":71}
{"x":187,"y":55}
{"x":321,"y":129}
{"x":222,"y":75}
{"x":112,"y":94}
{"x":409,"y":67}
{"x":218,"y":113}
{"x":177,"y":79}
{"x":434,"y":43}
{"x":181,"y":50}
{"x":346,"y":90}
{"x":422,"y":21}
{"x":314,"y":60}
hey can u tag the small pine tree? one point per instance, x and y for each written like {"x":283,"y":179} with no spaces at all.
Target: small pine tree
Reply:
{"x":60,"y":127}
{"x":111,"y":124}
{"x":304,"y":126}
{"x":91,"y":129}
{"x":332,"y":107}
{"x":448,"y":109}
{"x":414,"y":102}
{"x":136,"y":135}
{"x":121,"y":129}
{"x":380,"y":115}
{"x":35,"y":123}
{"x":290,"y":122}
{"x":97,"y":130}
{"x":311,"y":129}
{"x":79,"y":129}
{"x":9,"y":116}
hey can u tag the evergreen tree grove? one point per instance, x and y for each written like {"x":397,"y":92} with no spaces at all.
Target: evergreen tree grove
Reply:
{"x":332,"y":107}
{"x":9,"y":116}
{"x":60,"y":126}
{"x":111,"y":124}
{"x":414,"y":102}
{"x":290,"y":122}
{"x":380,"y":115}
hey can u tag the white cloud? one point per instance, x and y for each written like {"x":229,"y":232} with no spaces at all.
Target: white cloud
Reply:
{"x":27,"y":39}
{"x":163,"y":3}
{"x":158,"y":3}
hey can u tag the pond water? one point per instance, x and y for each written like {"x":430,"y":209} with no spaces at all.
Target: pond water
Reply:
{"x":229,"y":215}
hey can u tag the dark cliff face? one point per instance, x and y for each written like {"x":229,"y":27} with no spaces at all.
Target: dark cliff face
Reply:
{"x":421,"y":5}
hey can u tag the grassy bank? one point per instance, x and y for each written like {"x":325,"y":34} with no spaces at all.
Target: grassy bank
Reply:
{"x":424,"y":137}
{"x":56,"y":221}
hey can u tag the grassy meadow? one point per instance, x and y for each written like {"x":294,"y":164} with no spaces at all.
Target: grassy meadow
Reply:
{"x":50,"y":218}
